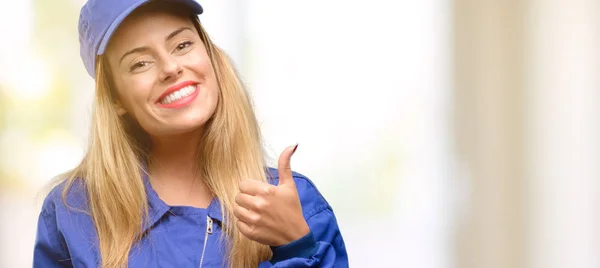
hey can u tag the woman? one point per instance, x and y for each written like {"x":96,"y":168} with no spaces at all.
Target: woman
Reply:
{"x":175,"y":175}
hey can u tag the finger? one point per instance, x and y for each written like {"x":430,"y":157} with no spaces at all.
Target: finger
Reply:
{"x":245,"y":215}
{"x":245,"y":229}
{"x":254,"y":187}
{"x":284,"y":169}
{"x":246,"y":201}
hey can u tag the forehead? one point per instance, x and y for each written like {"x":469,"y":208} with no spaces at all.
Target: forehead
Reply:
{"x":145,"y":25}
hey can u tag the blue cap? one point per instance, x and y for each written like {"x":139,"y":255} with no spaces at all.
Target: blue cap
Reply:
{"x":99,"y":19}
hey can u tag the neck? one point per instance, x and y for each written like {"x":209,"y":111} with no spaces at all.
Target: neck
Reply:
{"x":175,"y":155}
{"x":172,"y":166}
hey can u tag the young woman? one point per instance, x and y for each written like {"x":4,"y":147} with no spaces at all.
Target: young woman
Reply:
{"x":175,"y":175}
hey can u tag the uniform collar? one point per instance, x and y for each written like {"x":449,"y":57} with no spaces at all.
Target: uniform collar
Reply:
{"x":157,"y":208}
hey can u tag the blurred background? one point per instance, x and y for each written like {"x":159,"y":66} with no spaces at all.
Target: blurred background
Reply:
{"x":444,"y":133}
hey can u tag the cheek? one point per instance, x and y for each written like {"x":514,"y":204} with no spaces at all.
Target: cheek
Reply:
{"x":212,"y":88}
{"x":134,"y":94}
{"x":198,"y":61}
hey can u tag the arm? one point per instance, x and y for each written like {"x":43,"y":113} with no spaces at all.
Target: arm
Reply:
{"x":323,"y":246}
{"x":49,"y":250}
{"x":291,"y":216}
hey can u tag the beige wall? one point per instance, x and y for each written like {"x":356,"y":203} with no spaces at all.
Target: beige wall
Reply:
{"x":488,"y":102}
{"x":527,"y":122}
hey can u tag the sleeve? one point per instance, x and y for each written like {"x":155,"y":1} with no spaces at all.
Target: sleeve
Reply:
{"x":322,"y":247}
{"x":50,"y":250}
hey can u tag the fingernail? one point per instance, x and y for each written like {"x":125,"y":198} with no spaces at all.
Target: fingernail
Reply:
{"x":295,"y":147}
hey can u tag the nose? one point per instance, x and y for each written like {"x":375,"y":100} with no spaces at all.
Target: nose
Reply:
{"x":171,"y":69}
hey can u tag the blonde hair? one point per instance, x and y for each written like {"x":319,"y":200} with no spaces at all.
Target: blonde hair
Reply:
{"x":112,"y":167}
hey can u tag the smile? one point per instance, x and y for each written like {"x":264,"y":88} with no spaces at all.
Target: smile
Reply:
{"x":179,"y":95}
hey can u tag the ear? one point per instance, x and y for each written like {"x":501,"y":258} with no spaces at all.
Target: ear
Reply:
{"x":120,"y":109}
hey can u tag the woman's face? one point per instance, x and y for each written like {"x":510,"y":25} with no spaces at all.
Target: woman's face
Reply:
{"x":162,"y":73}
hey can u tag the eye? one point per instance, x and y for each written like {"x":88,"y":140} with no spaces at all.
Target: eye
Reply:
{"x":183,"y":45}
{"x":139,"y":64}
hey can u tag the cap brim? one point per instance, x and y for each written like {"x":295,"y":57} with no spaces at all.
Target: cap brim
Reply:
{"x":194,"y":6}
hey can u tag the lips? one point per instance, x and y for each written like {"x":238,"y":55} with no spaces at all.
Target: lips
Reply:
{"x":178,"y":95}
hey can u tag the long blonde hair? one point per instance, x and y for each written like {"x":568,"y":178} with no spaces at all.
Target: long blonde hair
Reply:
{"x":112,"y":167}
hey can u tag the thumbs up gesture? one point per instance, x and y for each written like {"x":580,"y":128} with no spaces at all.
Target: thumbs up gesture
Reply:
{"x":268,"y":214}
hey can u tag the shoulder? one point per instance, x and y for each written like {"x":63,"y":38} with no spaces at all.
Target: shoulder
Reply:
{"x":311,"y":199}
{"x":75,"y":197}
{"x":65,"y":230}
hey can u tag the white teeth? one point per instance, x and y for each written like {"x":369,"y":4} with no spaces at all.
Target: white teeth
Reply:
{"x":179,"y":94}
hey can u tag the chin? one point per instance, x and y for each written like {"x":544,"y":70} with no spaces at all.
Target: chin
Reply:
{"x":184,"y":126}
{"x":189,"y":121}
{"x":174,"y":130}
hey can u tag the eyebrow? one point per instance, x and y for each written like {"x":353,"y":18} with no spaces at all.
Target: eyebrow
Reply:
{"x":142,"y":49}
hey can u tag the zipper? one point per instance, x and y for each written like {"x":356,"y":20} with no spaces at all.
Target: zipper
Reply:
{"x":209,"y":230}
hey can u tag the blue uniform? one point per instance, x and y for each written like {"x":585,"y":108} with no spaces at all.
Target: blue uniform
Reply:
{"x":180,"y":236}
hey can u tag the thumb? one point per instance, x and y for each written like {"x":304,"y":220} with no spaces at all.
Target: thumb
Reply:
{"x":284,"y":169}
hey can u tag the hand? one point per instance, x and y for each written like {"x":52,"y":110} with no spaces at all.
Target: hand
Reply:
{"x":268,"y":214}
